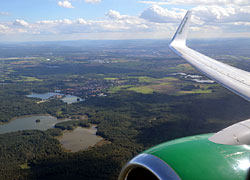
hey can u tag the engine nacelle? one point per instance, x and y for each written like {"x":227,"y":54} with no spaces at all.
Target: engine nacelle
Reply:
{"x":194,"y":157}
{"x":147,"y":166}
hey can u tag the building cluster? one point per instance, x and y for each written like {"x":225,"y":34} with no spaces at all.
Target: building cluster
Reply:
{"x":91,"y":87}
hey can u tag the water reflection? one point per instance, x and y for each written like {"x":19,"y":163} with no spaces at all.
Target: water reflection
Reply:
{"x":66,"y":98}
{"x":30,"y":123}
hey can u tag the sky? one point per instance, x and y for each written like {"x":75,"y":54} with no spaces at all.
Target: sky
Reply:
{"x":56,"y":20}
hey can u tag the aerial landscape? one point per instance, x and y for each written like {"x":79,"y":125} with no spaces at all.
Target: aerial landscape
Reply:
{"x":83,"y":92}
{"x":133,"y":97}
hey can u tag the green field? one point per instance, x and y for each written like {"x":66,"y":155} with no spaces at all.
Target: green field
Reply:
{"x":142,"y":89}
{"x":110,"y":79}
{"x":196,"y":91}
{"x":29,"y":79}
{"x":25,"y":166}
{"x":146,"y":79}
{"x":169,"y":85}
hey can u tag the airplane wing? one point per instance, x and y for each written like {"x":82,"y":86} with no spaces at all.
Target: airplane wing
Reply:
{"x":234,"y":79}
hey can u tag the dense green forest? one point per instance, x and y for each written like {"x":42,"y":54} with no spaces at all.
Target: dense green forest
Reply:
{"x":130,"y":126}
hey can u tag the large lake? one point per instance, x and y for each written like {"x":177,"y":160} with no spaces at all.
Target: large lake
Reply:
{"x":79,"y":139}
{"x":44,"y":96}
{"x":29,"y":123}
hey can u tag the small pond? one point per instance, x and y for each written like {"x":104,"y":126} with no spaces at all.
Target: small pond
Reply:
{"x":67,"y":98}
{"x":80,"y":138}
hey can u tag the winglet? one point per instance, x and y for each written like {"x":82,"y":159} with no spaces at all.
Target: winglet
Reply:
{"x":180,"y":36}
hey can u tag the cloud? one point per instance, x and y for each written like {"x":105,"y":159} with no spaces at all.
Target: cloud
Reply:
{"x":81,"y":21}
{"x":93,"y":1}
{"x":115,"y":23}
{"x":218,"y":14}
{"x":154,"y":21}
{"x":19,"y":22}
{"x":154,"y":2}
{"x":55,"y":22}
{"x":242,"y":23}
{"x":65,"y":4}
{"x":4,"y":13}
{"x":201,"y":14}
{"x":114,"y":14}
{"x":158,"y":14}
{"x":198,"y":2}
{"x":3,"y":28}
{"x":216,"y":21}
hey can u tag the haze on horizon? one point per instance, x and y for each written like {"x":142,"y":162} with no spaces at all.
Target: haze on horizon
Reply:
{"x":53,"y":20}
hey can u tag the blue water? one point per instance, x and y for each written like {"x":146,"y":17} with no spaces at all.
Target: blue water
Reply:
{"x":29,"y":123}
{"x":68,"y":98}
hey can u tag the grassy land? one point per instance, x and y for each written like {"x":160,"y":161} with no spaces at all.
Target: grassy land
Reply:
{"x":25,"y":166}
{"x":118,"y":88}
{"x":29,"y":79}
{"x":196,"y":91}
{"x":145,"y":79}
{"x":169,"y":85}
{"x":110,"y":79}
{"x":142,"y":89}
{"x":181,"y":68}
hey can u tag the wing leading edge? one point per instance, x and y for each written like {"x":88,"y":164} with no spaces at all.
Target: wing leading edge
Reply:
{"x":234,"y":79}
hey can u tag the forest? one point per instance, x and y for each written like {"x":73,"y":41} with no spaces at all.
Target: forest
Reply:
{"x":130,"y":126}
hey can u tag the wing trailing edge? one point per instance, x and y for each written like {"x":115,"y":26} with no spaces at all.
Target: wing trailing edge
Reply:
{"x":234,"y":79}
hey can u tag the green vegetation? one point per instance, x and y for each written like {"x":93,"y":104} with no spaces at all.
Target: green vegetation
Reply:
{"x":25,"y":166}
{"x":131,"y":95}
{"x":115,"y":89}
{"x":142,"y":89}
{"x":196,"y":91}
{"x":161,"y":85}
{"x":70,"y":125}
{"x":118,"y":88}
{"x":181,"y":68}
{"x":191,"y":89}
{"x":110,"y":79}
{"x":146,"y":79}
{"x":20,"y":148}
{"x":29,"y":79}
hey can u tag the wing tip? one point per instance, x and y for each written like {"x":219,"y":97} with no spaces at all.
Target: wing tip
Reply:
{"x":181,"y":34}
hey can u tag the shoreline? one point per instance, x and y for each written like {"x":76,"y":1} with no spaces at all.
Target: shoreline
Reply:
{"x":101,"y":142}
{"x":30,"y":115}
{"x":28,"y":122}
{"x":91,"y":131}
{"x":24,"y":116}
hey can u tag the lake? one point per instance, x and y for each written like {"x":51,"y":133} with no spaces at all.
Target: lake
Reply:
{"x":29,"y":123}
{"x":195,"y":78}
{"x":79,"y":139}
{"x":44,"y":96}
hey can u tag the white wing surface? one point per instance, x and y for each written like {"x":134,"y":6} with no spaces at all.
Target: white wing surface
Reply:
{"x":234,"y":79}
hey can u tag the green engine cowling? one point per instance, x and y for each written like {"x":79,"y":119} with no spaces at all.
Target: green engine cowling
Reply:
{"x":190,"y":158}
